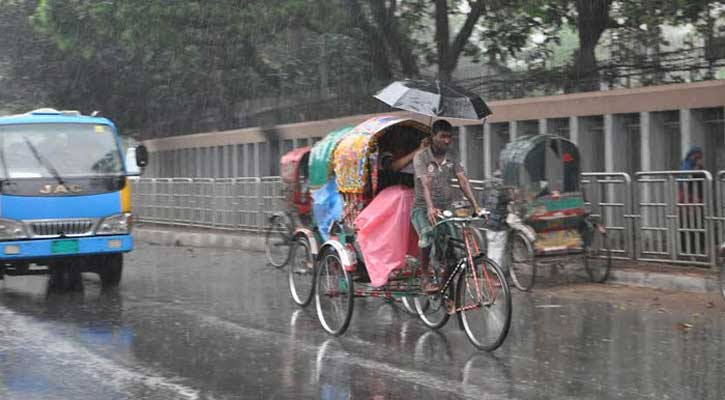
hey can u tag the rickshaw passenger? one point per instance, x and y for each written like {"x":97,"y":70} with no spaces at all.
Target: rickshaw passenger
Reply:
{"x":385,"y":234}
{"x":435,"y":167}
{"x":396,"y":157}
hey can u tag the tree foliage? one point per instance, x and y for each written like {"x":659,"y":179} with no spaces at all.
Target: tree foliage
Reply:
{"x":173,"y":66}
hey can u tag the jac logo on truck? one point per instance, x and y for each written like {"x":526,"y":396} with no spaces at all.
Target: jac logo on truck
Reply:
{"x":50,"y":189}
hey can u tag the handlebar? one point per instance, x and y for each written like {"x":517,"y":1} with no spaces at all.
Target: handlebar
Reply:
{"x":447,"y":216}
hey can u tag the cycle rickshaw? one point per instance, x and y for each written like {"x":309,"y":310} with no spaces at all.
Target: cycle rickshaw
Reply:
{"x":311,"y":168}
{"x":298,"y":203}
{"x":472,"y":286}
{"x":543,"y":174}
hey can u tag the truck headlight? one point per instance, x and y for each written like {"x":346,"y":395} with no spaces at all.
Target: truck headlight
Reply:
{"x":11,"y":229}
{"x":115,"y":225}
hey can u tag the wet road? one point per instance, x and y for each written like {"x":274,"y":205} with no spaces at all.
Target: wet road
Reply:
{"x":219,"y":324}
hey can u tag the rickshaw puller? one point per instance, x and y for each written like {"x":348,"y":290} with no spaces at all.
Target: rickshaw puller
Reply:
{"x":435,"y":167}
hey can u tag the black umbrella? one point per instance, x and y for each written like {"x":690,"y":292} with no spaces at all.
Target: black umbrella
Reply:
{"x":434,"y":99}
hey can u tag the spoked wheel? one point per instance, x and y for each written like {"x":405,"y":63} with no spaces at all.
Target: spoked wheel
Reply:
{"x":333,"y":294}
{"x":485,"y":304}
{"x":521,"y":261}
{"x":432,"y":308}
{"x":598,"y":258}
{"x":409,"y":305}
{"x":301,"y":272}
{"x":277,"y":243}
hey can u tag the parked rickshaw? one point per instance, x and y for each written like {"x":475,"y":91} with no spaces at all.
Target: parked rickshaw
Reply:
{"x":543,"y":173}
{"x":472,"y":286}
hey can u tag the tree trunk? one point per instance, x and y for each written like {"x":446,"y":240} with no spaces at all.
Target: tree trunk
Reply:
{"x":449,"y":53}
{"x":398,"y":43}
{"x":443,"y":37}
{"x":592,"y":21}
{"x":380,"y":60}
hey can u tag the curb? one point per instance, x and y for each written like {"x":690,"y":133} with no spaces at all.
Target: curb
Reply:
{"x":209,"y":239}
{"x":666,"y":277}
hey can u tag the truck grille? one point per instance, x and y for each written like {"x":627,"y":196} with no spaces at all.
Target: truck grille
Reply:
{"x":58,"y":228}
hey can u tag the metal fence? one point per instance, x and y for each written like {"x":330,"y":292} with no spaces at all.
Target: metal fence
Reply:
{"x":609,"y":197}
{"x":242,"y":204}
{"x":661,"y":216}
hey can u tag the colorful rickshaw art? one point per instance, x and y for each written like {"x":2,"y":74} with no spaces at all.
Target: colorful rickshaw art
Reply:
{"x":369,"y":252}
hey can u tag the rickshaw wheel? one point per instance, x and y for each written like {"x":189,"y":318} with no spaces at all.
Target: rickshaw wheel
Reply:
{"x":409,"y":305}
{"x":521,"y":261}
{"x":334,"y":293}
{"x":432,"y":308}
{"x":598,"y":258}
{"x":486,"y":325}
{"x":277,"y":243}
{"x":301,"y":272}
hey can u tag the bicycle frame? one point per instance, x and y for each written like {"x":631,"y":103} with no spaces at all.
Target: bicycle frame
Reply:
{"x":471,"y":248}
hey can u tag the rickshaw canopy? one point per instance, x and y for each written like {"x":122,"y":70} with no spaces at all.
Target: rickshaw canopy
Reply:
{"x":321,"y":156}
{"x":356,"y":152}
{"x":290,"y":164}
{"x":541,"y":164}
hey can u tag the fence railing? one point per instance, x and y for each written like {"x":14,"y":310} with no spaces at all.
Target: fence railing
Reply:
{"x":660,"y":216}
{"x":242,"y":204}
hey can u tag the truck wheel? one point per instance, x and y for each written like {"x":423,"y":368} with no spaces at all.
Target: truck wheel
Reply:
{"x":64,"y":277}
{"x":110,"y":270}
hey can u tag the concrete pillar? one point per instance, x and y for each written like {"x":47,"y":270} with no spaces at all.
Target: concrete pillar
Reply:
{"x":513,"y":130}
{"x":653,"y":141}
{"x":494,"y":139}
{"x":544,"y":127}
{"x":574,"y":130}
{"x":590,"y":141}
{"x":246,"y":154}
{"x":260,"y":158}
{"x":616,"y":151}
{"x":210,"y":161}
{"x":235,"y":160}
{"x":465,"y":146}
{"x":692,"y":130}
{"x":214,"y":161}
{"x":199,"y":160}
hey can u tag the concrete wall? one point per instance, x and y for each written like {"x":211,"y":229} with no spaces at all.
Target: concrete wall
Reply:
{"x":624,"y":130}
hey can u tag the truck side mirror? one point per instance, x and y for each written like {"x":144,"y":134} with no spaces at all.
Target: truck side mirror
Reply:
{"x":142,"y":156}
{"x":136,"y":159}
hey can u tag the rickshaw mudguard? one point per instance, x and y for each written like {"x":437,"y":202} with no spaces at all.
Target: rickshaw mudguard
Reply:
{"x":346,"y":253}
{"x":311,"y":239}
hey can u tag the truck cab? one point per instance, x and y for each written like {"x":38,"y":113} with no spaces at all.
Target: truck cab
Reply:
{"x":65,"y":201}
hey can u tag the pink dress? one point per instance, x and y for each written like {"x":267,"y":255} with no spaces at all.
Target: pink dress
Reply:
{"x":385,"y":234}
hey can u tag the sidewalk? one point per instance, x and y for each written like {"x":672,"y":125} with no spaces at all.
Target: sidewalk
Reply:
{"x":651,"y":275}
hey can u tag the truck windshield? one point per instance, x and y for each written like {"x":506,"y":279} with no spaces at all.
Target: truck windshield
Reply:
{"x":73,"y":150}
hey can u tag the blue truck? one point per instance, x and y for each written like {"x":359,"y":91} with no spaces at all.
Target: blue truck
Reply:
{"x":65,"y":201}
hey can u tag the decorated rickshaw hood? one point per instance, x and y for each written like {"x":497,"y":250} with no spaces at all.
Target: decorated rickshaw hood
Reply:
{"x":351,"y":157}
{"x":321,"y":156}
{"x":290,"y":164}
